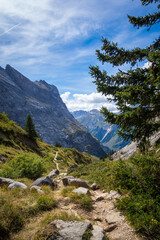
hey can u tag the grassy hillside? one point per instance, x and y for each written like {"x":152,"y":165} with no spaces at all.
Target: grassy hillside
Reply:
{"x":24,"y":160}
{"x":14,"y":141}
{"x":137,"y":179}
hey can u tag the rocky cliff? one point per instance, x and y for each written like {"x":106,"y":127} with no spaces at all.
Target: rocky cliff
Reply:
{"x":19,"y":96}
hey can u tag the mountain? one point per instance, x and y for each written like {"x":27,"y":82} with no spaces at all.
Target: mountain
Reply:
{"x":19,"y":97}
{"x":103,"y":131}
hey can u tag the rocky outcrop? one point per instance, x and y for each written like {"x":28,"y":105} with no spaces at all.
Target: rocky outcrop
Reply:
{"x":73,"y":230}
{"x":45,"y":181}
{"x":19,"y":96}
{"x":131,"y":148}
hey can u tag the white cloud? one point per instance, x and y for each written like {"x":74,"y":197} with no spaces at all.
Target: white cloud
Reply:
{"x":147,"y":65}
{"x":86,"y":102}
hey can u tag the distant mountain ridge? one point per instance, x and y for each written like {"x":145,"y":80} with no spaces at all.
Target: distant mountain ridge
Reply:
{"x":19,"y":96}
{"x":103,"y":131}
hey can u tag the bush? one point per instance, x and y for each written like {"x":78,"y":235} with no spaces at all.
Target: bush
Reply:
{"x":11,"y":218}
{"x":24,"y":166}
{"x":45,"y":203}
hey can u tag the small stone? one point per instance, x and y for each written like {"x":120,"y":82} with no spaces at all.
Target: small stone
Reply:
{"x":94,"y":186}
{"x":99,"y":198}
{"x":81,"y":190}
{"x":62,"y":174}
{"x":110,"y":228}
{"x":98,"y":219}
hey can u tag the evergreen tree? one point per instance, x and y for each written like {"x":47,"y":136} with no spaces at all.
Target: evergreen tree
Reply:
{"x":136,"y":92}
{"x":30,"y":128}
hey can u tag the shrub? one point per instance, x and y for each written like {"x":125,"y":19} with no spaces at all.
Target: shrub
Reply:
{"x":11,"y":218}
{"x":45,"y":203}
{"x":24,"y":166}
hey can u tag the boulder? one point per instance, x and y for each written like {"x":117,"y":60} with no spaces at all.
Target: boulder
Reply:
{"x":72,"y":167}
{"x":65,"y":180}
{"x":81,"y":190}
{"x":70,"y":230}
{"x":53,"y":173}
{"x":97,"y":233}
{"x":45,"y":181}
{"x":17,"y":185}
{"x":78,"y":183}
{"x":5,"y":181}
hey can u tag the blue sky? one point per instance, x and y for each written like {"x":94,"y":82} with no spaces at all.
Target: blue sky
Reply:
{"x":55,"y":40}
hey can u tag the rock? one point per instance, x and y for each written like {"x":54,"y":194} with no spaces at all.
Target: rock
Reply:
{"x":114,"y":217}
{"x":38,"y":189}
{"x":70,"y":230}
{"x":45,"y":181}
{"x":62,"y":174}
{"x":113,"y":195}
{"x":5,"y":181}
{"x":98,"y":219}
{"x":53,"y":173}
{"x":111,"y":228}
{"x":72,"y":167}
{"x":65,"y":180}
{"x":17,"y":185}
{"x":97,"y":233}
{"x":100,"y":198}
{"x":81,"y":190}
{"x":78,"y":183}
{"x":94,"y":186}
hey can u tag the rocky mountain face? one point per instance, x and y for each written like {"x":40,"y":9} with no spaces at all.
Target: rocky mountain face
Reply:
{"x":103,"y":131}
{"x":19,"y":96}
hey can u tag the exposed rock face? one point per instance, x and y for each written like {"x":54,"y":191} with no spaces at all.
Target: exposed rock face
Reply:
{"x":103,"y":131}
{"x":19,"y":96}
{"x":131,"y":148}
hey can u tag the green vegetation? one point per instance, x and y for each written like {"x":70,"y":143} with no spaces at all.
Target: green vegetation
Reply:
{"x":84,"y":201}
{"x":45,"y":203}
{"x":135,"y":92}
{"x":24,"y":165}
{"x":19,"y":205}
{"x":30,"y":128}
{"x":138,"y":179}
{"x":57,"y":144}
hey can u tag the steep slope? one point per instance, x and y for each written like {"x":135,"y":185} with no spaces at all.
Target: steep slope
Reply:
{"x":103,"y":131}
{"x":19,"y":96}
